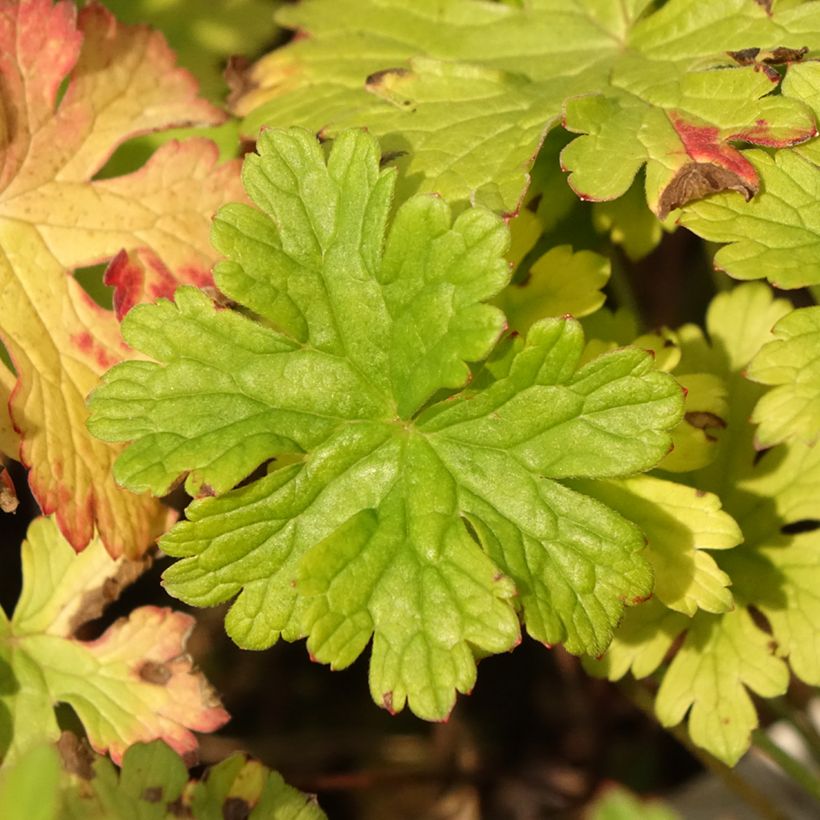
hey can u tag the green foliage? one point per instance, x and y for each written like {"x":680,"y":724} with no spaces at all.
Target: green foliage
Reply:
{"x":617,"y":803}
{"x":69,"y":782}
{"x":394,"y":427}
{"x":415,"y":497}
{"x":133,"y":683}
{"x":775,"y":571}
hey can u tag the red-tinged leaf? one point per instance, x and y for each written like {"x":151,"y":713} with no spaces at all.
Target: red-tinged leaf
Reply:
{"x":144,"y":655}
{"x":8,"y":495}
{"x":121,"y":81}
{"x":133,"y":684}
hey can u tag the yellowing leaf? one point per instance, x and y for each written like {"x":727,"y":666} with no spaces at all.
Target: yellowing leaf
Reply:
{"x":679,"y":524}
{"x":54,"y":217}
{"x":776,"y":569}
{"x":134,"y":683}
{"x":720,"y":659}
{"x":9,"y":439}
{"x":560,"y":282}
{"x":790,"y":364}
{"x":466,"y":90}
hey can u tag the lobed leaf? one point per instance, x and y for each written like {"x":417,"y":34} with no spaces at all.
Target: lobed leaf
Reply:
{"x":70,"y":781}
{"x":74,"y":86}
{"x":642,"y":81}
{"x":789,"y":364}
{"x":775,"y":569}
{"x":398,"y":505}
{"x":134,"y":683}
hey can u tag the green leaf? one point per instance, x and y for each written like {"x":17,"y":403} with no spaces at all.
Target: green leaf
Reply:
{"x":404,"y":507}
{"x":205,"y":36}
{"x":70,"y":782}
{"x":240,"y":782}
{"x":679,"y":524}
{"x":28,"y":791}
{"x":777,"y":234}
{"x":790,"y":365}
{"x":463,"y":92}
{"x":641,"y":642}
{"x":560,"y":282}
{"x":680,"y":124}
{"x":776,"y":570}
{"x":125,"y":686}
{"x":617,"y":803}
{"x":721,"y":658}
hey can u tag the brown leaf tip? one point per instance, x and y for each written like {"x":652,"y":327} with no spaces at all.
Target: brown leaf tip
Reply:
{"x":697,"y":180}
{"x":387,"y":702}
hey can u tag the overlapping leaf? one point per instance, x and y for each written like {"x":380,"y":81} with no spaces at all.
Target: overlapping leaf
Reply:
{"x":399,"y":508}
{"x":791,"y":365}
{"x":776,"y":570}
{"x":465,"y":90}
{"x":54,"y":218}
{"x":777,"y":234}
{"x":134,"y":683}
{"x":71,"y":782}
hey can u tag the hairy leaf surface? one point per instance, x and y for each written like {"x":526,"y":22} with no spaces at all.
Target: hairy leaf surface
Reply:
{"x":396,"y":507}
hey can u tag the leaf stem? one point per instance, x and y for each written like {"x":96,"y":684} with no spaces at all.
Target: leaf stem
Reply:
{"x":750,"y":795}
{"x":804,"y":778}
{"x":783,"y":709}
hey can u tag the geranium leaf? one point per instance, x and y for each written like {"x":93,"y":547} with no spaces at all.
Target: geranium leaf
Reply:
{"x":392,"y":514}
{"x":54,"y":217}
{"x":790,"y":365}
{"x":679,"y":524}
{"x":559,"y":282}
{"x":134,"y":683}
{"x":777,"y":233}
{"x":70,"y":781}
{"x":464,"y":91}
{"x":722,"y":712}
{"x":775,"y":570}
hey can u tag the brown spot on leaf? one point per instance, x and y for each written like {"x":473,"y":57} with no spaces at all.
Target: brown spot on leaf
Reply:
{"x":697,"y":180}
{"x":640,"y":599}
{"x":766,"y":4}
{"x":704,"y":420}
{"x":746,"y":56}
{"x":782,"y":54}
{"x":156,"y":673}
{"x":235,"y":808}
{"x":387,"y":702}
{"x":76,"y":754}
{"x":152,"y":794}
{"x":378,"y":78}
{"x":8,"y":495}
